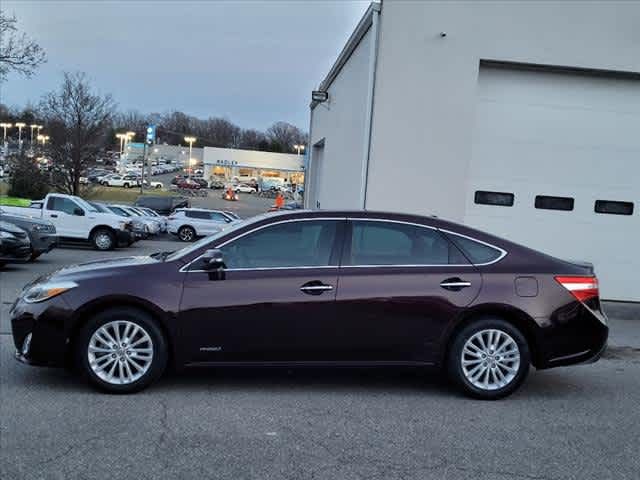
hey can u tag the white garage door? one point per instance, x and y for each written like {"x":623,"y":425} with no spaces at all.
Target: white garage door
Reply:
{"x":572,"y":137}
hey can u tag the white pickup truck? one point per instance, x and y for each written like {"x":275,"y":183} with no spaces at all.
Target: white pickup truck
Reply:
{"x":77,"y":220}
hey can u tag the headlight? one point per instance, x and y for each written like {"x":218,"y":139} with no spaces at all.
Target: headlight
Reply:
{"x":7,"y":235}
{"x":123,"y":225}
{"x":45,"y":291}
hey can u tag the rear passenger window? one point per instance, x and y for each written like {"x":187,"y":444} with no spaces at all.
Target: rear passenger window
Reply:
{"x":388,"y":243}
{"x":553,"y":203}
{"x":502,"y":199}
{"x":613,"y":207}
{"x":476,"y":252}
{"x":198,"y":215}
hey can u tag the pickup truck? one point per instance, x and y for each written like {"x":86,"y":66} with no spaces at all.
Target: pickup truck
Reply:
{"x":77,"y":220}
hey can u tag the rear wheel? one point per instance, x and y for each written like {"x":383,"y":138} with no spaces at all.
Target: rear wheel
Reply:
{"x":186,"y":234}
{"x":103,"y":239}
{"x":489,"y":359}
{"x":126,"y":185}
{"x":121,"y":350}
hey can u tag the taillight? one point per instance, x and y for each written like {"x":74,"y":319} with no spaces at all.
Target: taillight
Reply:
{"x":583,"y":288}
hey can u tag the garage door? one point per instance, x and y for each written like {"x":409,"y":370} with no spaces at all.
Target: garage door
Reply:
{"x":556,"y":166}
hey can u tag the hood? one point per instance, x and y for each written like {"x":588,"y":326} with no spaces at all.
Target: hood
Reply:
{"x":9,"y":227}
{"x":99,"y":268}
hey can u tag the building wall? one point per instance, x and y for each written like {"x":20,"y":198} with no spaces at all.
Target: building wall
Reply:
{"x":425,"y":96}
{"x":341,"y":123}
{"x":233,"y":159}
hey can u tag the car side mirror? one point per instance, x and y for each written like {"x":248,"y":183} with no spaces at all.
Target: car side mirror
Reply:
{"x":213,"y":262}
{"x":78,"y":211}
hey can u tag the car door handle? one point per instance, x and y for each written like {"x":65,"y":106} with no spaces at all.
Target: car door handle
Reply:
{"x":315,"y":288}
{"x":53,"y":215}
{"x":454,"y":284}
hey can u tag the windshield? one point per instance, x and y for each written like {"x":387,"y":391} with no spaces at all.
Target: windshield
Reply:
{"x":119,"y":211}
{"x":100,"y":208}
{"x":211,"y":238}
{"x":86,"y":205}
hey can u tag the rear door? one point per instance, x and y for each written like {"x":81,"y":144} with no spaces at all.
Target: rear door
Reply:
{"x":400,"y":285}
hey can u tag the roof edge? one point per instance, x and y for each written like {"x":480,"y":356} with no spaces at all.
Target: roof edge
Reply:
{"x":352,"y":43}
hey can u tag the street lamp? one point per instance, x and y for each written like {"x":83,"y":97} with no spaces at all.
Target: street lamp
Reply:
{"x":33,"y":126}
{"x":43,"y":138}
{"x":4,"y":126}
{"x":190,"y":141}
{"x":20,"y":126}
{"x":121,"y":137}
{"x":299,"y":148}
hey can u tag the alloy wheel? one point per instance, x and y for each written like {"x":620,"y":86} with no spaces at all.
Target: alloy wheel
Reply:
{"x":186,"y":234}
{"x":490,"y":359}
{"x":103,"y":241}
{"x":120,"y":352}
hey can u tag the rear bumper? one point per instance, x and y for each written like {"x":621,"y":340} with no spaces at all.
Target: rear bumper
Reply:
{"x":576,"y":335}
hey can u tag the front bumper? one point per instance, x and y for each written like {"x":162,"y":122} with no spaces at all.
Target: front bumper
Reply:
{"x":44,"y":243}
{"x":48,"y":323}
{"x":15,"y":251}
{"x":125,"y":237}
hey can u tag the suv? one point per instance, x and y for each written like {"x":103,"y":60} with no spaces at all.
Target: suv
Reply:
{"x":189,"y":223}
{"x":163,"y":204}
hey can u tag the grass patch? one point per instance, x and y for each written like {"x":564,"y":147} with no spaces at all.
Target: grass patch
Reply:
{"x":15,"y":202}
{"x":117,"y":194}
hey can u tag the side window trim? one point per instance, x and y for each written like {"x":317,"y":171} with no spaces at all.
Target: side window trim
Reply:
{"x":334,"y":257}
{"x":346,"y":251}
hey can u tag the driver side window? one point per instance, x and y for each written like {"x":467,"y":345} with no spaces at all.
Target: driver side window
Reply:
{"x":61,"y":204}
{"x":291,"y":244}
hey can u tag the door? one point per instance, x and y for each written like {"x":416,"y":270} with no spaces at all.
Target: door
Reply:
{"x":63,"y":213}
{"x":275,"y":301}
{"x":400,"y":285}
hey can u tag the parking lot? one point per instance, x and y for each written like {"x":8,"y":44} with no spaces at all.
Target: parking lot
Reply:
{"x":577,"y":422}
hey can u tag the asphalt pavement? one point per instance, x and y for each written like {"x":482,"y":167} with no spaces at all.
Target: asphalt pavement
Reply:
{"x":580,"y":422}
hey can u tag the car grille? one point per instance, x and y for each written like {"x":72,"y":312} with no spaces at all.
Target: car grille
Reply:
{"x":20,"y":234}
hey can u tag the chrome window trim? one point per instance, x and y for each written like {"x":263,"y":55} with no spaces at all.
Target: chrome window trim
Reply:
{"x":185,"y":267}
{"x":503,"y":253}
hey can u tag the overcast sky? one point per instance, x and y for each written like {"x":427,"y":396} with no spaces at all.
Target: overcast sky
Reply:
{"x":253,"y":62}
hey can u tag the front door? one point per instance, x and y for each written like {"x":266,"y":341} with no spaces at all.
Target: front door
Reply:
{"x":400,"y":285}
{"x":275,"y":301}
{"x":62,"y":212}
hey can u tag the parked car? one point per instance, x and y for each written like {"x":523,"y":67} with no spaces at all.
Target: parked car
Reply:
{"x":153,"y":184}
{"x":188,"y":184}
{"x":153,"y":225}
{"x":138,"y":227}
{"x":319,"y":288}
{"x":244,"y":188}
{"x":126,"y":181}
{"x":162,"y":204}
{"x":15,"y":246}
{"x":200,"y":181}
{"x":77,"y":220}
{"x":190,"y":223}
{"x":286,"y":206}
{"x":163,"y":220}
{"x":216,"y":184}
{"x":42,"y":233}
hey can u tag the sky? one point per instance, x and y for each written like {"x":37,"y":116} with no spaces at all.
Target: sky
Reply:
{"x":252,"y":62}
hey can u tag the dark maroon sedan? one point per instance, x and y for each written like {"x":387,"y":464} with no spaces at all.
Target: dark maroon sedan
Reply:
{"x":319,"y":288}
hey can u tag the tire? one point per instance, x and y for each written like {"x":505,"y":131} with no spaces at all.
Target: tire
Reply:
{"x":186,"y":234}
{"x":118,"y":369}
{"x":34,"y":256}
{"x":126,"y":185}
{"x":157,"y":187}
{"x":103,"y":239}
{"x":480,"y":378}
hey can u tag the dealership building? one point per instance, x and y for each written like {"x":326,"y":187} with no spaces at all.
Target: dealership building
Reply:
{"x":518,"y":118}
{"x":230,"y":163}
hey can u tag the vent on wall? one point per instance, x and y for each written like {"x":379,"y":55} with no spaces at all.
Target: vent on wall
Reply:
{"x":501,"y":199}
{"x":554,"y":203}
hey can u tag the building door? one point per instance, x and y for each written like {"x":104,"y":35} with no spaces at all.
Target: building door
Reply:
{"x":315,"y":174}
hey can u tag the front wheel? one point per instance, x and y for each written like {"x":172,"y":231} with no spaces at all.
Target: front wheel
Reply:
{"x":103,"y":239}
{"x":121,"y":350}
{"x":489,"y":359}
{"x":186,"y":234}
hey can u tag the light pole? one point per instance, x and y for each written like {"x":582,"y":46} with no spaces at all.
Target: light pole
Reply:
{"x":190,"y":141}
{"x":4,"y":126}
{"x":20,"y":126}
{"x":299,"y":148}
{"x":43,"y":138}
{"x":33,"y":126}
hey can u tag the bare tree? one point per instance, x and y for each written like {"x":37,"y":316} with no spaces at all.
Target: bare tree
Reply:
{"x":283,"y":136}
{"x":18,"y":52}
{"x":78,"y":120}
{"x":253,"y":140}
